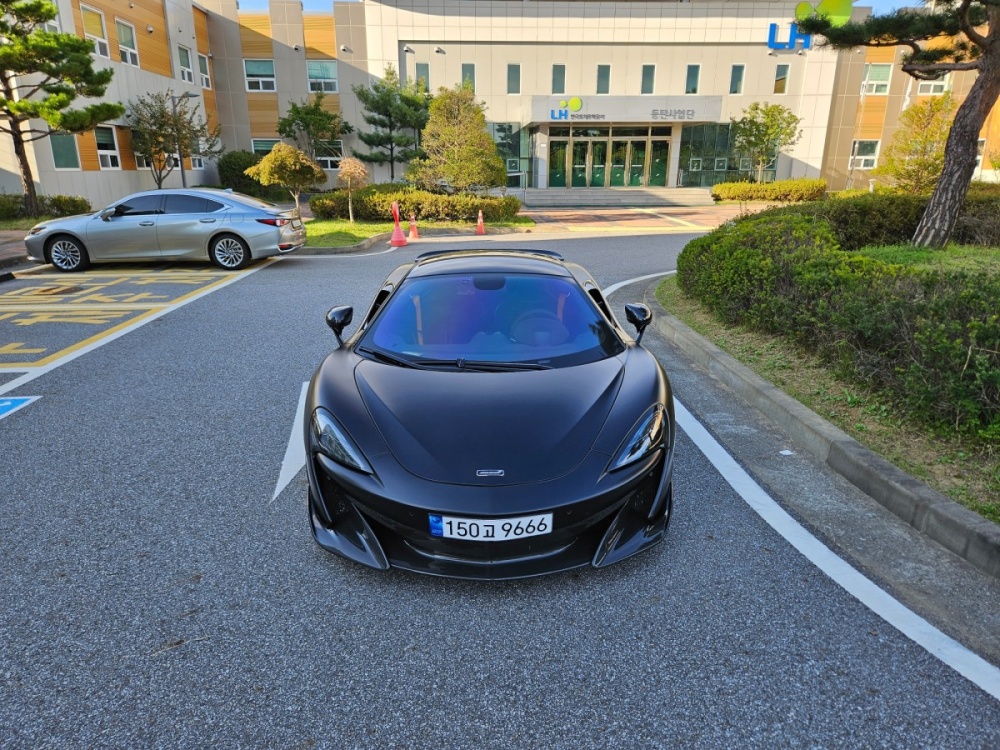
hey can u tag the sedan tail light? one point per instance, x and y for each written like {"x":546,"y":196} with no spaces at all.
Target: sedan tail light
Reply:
{"x":275,"y":222}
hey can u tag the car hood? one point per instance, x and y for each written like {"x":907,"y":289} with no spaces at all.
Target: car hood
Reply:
{"x":517,"y":427}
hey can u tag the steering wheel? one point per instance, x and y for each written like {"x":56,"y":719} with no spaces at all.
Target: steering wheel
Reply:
{"x":531,"y":326}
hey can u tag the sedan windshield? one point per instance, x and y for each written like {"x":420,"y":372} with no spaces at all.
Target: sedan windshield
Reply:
{"x":481,"y":322}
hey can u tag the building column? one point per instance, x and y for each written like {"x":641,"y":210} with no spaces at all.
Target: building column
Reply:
{"x":675,"y":154}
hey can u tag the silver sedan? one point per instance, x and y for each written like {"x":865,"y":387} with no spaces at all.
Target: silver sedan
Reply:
{"x":230,"y":229}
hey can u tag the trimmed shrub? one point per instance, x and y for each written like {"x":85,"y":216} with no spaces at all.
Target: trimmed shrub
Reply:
{"x":232,"y":165}
{"x":63,"y":205}
{"x":783,"y":191}
{"x":374,"y":203}
{"x":11,"y":206}
{"x":928,"y":337}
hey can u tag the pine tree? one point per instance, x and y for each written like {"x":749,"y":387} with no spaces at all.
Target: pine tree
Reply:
{"x":966,"y":36}
{"x":396,"y":113}
{"x":41,"y":74}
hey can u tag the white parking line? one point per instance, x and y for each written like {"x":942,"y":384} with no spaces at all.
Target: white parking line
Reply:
{"x":975,"y":669}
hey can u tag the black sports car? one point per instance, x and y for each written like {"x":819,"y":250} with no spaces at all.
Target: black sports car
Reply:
{"x":489,"y":419}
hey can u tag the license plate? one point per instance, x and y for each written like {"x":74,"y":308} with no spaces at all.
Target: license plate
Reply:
{"x":490,"y":529}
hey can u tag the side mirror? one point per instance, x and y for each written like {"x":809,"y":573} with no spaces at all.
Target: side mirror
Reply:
{"x":338,"y":319}
{"x":638,"y":315}
{"x":107,"y":214}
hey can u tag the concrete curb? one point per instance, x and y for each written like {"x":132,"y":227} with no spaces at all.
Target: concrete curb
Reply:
{"x":954,"y":527}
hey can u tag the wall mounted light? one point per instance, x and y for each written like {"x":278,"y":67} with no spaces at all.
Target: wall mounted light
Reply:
{"x":439,"y":50}
{"x":800,"y":52}
{"x":407,"y":48}
{"x":770,"y":52}
{"x":296,"y":47}
{"x":343,"y":48}
{"x":149,"y":29}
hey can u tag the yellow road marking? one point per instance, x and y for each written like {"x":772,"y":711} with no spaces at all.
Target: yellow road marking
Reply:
{"x":18,"y":348}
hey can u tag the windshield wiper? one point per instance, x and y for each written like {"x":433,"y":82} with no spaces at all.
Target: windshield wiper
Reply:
{"x":392,"y":359}
{"x":476,"y":365}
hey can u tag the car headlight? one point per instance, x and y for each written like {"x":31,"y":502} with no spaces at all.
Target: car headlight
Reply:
{"x":646,"y":437}
{"x":334,"y":441}
{"x":37,"y":229}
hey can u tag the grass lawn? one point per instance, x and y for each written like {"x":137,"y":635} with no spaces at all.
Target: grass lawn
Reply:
{"x":968,"y":473}
{"x":340,"y":232}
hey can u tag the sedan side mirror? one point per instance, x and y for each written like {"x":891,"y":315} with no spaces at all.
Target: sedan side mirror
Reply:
{"x":338,"y":319}
{"x":107,"y":214}
{"x":638,"y":315}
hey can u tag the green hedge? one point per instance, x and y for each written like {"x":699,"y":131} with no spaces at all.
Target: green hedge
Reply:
{"x":12,"y":205}
{"x":784,"y":191}
{"x":931,"y":338}
{"x":374,"y":203}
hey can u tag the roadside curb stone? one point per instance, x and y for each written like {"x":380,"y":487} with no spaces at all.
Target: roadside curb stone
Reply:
{"x":956,"y":528}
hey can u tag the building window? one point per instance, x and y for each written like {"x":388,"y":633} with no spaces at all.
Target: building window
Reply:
{"x":322,"y":76}
{"x":187,"y":72}
{"x":206,"y":77}
{"x":558,"y":79}
{"x":513,"y":78}
{"x":876,"y":78}
{"x":64,"y":151}
{"x":980,"y":150}
{"x":694,"y":165}
{"x":329,"y":154}
{"x":693,"y":74}
{"x":935,"y":88}
{"x":93,"y":29}
{"x":736,"y":79}
{"x":648,"y":77}
{"x":469,"y":75}
{"x":52,"y":26}
{"x":603,"y":79}
{"x":107,"y":148}
{"x":128,"y":50}
{"x":197,"y":162}
{"x":780,"y":79}
{"x":263,"y":146}
{"x":721,"y":164}
{"x":259,"y":75}
{"x":864,"y":154}
{"x":424,"y":74}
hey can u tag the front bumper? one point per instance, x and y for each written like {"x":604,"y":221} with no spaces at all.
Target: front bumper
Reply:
{"x":358,"y":517}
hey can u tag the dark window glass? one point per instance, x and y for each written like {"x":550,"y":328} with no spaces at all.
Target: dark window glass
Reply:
{"x":736,"y":80}
{"x":513,"y":79}
{"x":190,"y":204}
{"x":590,"y":132}
{"x":558,"y":79}
{"x":141,"y":205}
{"x":424,"y":74}
{"x":493,"y":317}
{"x":640,"y":132}
{"x":691,"y":87}
{"x":648,"y":75}
{"x":559,"y":132}
{"x":603,"y":79}
{"x":662,"y":131}
{"x":780,"y":79}
{"x":469,"y":74}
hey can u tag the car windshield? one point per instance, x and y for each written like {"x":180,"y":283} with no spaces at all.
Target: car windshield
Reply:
{"x":490,"y":321}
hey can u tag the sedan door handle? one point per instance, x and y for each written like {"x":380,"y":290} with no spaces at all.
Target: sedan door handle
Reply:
{"x":207,"y":221}
{"x":147,"y":223}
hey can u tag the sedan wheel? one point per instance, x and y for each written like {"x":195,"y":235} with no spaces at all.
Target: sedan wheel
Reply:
{"x":229,"y":252}
{"x":68,"y":254}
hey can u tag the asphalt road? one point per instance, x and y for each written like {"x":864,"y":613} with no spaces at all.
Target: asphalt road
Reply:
{"x":155,"y":595}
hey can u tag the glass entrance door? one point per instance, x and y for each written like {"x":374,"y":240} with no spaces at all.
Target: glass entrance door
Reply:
{"x":579,"y":175}
{"x":636,"y":163}
{"x":557,"y":163}
{"x":619,"y":155}
{"x":658,"y":160}
{"x":598,"y":163}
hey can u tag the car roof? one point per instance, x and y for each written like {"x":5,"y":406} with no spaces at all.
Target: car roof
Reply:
{"x":502,"y":260}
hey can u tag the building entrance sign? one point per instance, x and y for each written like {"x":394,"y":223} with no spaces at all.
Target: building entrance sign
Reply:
{"x":612,"y":109}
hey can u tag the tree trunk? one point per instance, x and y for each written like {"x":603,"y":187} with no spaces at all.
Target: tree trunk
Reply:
{"x":350,"y":207}
{"x":942,"y":211}
{"x":27,"y":180}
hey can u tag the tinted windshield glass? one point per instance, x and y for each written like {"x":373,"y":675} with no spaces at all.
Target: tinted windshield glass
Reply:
{"x":492,"y":317}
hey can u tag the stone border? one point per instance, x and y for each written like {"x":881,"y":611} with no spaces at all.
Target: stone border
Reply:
{"x":951,"y":525}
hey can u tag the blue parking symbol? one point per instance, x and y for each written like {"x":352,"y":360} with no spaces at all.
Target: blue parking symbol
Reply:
{"x":11,"y":405}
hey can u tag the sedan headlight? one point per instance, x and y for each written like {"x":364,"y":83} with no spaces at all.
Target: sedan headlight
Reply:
{"x":334,"y":441}
{"x":37,"y":229}
{"x":646,"y":437}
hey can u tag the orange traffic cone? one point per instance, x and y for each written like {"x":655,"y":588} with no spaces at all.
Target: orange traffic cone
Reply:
{"x":413,"y":227}
{"x":398,"y":239}
{"x":480,"y":229}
